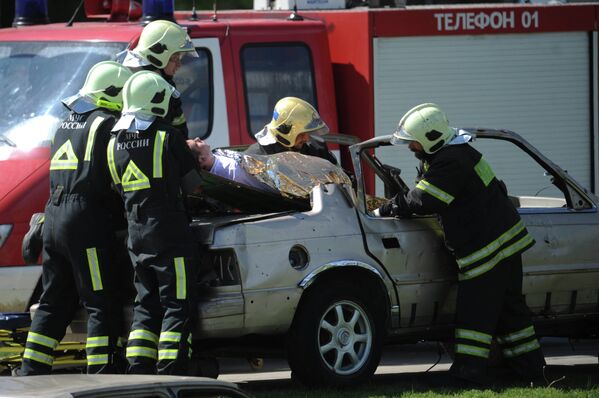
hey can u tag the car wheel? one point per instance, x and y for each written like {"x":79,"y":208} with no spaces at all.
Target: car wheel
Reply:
{"x":336,"y":337}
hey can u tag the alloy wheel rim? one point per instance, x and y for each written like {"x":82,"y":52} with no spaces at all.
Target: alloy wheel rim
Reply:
{"x":344,"y":337}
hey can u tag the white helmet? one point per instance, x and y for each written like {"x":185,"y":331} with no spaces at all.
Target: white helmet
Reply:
{"x":146,"y":95}
{"x":159,"y":40}
{"x":103,"y":88}
{"x":426,"y":124}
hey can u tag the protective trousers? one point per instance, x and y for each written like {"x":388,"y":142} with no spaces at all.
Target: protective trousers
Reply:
{"x":165,"y":307}
{"x":492,"y":305}
{"x":77,"y":259}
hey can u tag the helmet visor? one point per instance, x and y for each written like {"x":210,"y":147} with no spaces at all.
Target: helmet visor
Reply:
{"x":401,"y":137}
{"x":188,"y":49}
{"x":319,"y":132}
{"x":314,"y":124}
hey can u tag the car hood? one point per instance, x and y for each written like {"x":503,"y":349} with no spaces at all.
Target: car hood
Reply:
{"x":66,"y":385}
{"x":16,"y":166}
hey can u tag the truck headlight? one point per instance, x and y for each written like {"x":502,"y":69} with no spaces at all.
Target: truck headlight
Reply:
{"x":4,"y":232}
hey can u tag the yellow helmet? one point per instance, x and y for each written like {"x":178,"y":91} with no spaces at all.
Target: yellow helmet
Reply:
{"x":426,"y":124}
{"x":147,"y":93}
{"x":291,"y":117}
{"x":159,"y":40}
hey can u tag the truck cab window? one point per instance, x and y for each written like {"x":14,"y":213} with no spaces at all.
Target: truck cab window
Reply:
{"x":271,"y":72}
{"x":35,"y":77}
{"x":193,"y":81}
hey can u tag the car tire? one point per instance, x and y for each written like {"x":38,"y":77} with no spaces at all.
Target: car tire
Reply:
{"x":337,"y":336}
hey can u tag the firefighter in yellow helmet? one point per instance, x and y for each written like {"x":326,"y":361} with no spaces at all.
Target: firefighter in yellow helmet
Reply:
{"x":161,"y":46}
{"x":78,"y":239}
{"x":487,"y":237}
{"x":293,"y":127}
{"x":147,"y":160}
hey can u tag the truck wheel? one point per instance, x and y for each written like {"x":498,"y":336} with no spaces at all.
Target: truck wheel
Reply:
{"x":336,"y":337}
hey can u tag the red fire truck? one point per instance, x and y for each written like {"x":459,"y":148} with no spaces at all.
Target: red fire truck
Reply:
{"x":532,"y":69}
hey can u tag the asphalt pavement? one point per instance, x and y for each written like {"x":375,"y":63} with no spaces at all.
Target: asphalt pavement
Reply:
{"x":416,"y":359}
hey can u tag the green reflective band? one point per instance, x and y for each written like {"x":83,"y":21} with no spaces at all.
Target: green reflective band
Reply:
{"x":516,"y":336}
{"x":173,"y":337}
{"x":91,"y":138}
{"x":472,"y":350}
{"x":179,"y":120}
{"x":491,"y":247}
{"x":505,"y":253}
{"x":167,"y":354}
{"x":100,"y":359}
{"x":521,"y":349}
{"x":38,"y":356}
{"x":69,"y":162}
{"x":141,"y":334}
{"x":137,"y":351}
{"x":99,"y":341}
{"x":94,"y":268}
{"x":484,"y":171}
{"x":40,"y":339}
{"x":157,"y":159}
{"x":180,"y":277}
{"x":111,"y":165}
{"x":189,"y":339}
{"x":42,"y":219}
{"x":109,"y":105}
{"x":473,"y":335}
{"x":134,"y":179}
{"x":435,"y":192}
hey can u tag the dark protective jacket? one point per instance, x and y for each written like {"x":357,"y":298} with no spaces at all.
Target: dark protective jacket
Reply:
{"x":147,"y":167}
{"x":481,"y":224}
{"x":175,"y":115}
{"x":78,"y":245}
{"x":83,"y":135}
{"x":311,"y":148}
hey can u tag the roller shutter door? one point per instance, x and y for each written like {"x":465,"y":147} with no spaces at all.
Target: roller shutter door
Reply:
{"x":537,"y":85}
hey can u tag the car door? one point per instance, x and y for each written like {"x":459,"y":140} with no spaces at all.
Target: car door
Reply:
{"x":412,"y":251}
{"x":561,"y":271}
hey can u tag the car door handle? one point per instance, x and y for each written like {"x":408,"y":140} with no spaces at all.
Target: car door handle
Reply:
{"x":391,"y":243}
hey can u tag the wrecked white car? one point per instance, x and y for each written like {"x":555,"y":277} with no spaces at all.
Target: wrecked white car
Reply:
{"x":326,"y":283}
{"x":329,"y":284}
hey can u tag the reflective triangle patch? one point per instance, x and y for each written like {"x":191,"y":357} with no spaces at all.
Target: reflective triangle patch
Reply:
{"x":134,"y":179}
{"x":64,"y":158}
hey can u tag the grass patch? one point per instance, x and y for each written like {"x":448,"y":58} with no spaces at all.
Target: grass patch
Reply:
{"x":581,"y":381}
{"x":377,"y":393}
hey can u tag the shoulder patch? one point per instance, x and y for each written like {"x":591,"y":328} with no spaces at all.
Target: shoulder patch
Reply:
{"x":64,"y":158}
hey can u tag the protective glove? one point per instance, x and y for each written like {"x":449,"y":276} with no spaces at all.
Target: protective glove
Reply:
{"x":396,"y":207}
